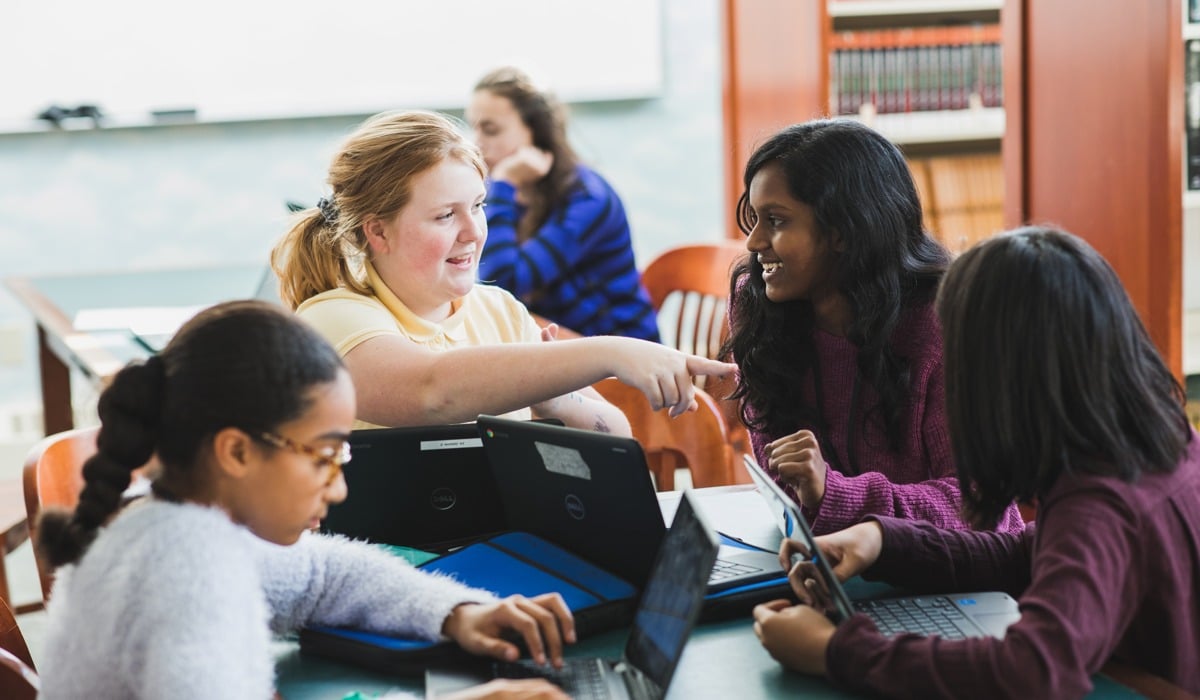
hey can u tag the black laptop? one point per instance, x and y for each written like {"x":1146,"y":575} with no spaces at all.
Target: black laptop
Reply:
{"x":951,"y":616}
{"x":666,"y":614}
{"x":428,"y":487}
{"x":590,"y":493}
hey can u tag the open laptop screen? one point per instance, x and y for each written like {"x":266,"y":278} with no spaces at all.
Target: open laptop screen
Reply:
{"x":673,"y":596}
{"x":792,"y":524}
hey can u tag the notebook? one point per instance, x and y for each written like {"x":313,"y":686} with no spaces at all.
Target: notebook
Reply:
{"x":591,"y":494}
{"x":427,"y":487}
{"x":665,"y":616}
{"x":951,"y":616}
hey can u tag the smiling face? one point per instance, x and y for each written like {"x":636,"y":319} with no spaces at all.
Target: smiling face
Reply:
{"x":427,"y":253}
{"x":796,"y":258}
{"x":284,"y":492}
{"x":498,"y":127}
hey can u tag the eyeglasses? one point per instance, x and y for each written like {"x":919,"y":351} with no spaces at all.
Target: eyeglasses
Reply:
{"x":327,"y":457}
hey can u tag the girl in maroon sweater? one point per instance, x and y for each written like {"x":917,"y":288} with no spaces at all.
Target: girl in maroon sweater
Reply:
{"x":832,"y":327}
{"x":1056,"y":396}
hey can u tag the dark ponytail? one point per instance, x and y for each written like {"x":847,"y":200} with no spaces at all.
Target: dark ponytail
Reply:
{"x":129,"y":411}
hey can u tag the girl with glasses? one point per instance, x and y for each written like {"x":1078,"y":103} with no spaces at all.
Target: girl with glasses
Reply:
{"x":248,"y":411}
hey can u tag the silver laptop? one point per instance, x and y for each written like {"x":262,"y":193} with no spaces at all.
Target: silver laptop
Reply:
{"x":951,"y":616}
{"x":665,"y":616}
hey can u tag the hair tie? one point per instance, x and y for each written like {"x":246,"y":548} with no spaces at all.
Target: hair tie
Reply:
{"x":329,"y":211}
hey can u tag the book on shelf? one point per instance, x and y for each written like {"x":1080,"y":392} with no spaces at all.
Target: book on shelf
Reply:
{"x":1191,"y":122}
{"x":962,"y":197}
{"x":915,"y":69}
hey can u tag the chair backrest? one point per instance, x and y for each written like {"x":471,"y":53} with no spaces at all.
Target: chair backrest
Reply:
{"x":53,"y":476}
{"x":696,"y":440}
{"x":689,"y":285}
{"x":18,"y":680}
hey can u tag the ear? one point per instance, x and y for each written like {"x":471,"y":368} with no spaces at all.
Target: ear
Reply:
{"x":376,"y":234}
{"x":234,"y":452}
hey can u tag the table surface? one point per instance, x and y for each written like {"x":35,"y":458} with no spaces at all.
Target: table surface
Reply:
{"x":721,"y":660}
{"x":56,"y":300}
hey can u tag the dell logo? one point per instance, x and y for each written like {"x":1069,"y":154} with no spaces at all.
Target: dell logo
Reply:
{"x":443,"y":498}
{"x":575,"y":507}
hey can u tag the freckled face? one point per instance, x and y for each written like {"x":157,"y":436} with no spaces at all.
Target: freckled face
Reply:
{"x":796,"y":259}
{"x":433,"y":243}
{"x":497,"y":125}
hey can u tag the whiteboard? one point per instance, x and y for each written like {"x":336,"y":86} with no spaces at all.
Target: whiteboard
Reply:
{"x":266,"y":59}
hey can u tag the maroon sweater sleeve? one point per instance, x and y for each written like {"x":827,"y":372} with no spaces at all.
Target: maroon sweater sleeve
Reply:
{"x":1078,"y":602}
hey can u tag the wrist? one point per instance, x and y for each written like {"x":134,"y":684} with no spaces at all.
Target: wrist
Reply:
{"x":454,"y":620}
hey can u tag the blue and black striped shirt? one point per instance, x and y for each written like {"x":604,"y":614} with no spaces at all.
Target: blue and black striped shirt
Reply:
{"x":578,"y":270}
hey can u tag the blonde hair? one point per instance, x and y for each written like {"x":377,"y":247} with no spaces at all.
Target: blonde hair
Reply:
{"x":371,"y":176}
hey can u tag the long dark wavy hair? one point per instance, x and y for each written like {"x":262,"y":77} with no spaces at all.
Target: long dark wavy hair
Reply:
{"x":546,"y":119}
{"x":1049,"y":370}
{"x":860,"y":189}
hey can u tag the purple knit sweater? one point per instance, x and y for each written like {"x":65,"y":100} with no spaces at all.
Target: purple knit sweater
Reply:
{"x":1109,"y":570}
{"x":917,"y":482}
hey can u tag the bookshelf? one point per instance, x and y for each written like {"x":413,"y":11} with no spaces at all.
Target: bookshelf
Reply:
{"x":925,"y":73}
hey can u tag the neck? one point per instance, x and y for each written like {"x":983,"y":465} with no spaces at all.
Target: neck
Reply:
{"x":833,"y":315}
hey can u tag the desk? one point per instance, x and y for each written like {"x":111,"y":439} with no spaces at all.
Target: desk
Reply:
{"x":54,"y":302}
{"x":722,"y":660}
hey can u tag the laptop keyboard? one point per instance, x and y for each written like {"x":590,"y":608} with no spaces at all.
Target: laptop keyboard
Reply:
{"x":723,"y":569}
{"x":580,"y":678}
{"x":934,"y":615}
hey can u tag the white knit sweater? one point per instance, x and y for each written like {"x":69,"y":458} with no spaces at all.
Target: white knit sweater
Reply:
{"x":177,"y":601}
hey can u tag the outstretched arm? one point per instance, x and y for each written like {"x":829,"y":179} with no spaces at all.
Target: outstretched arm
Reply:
{"x":401,"y":383}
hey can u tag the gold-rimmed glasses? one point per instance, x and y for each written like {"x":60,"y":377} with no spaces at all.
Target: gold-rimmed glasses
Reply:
{"x":326,"y":456}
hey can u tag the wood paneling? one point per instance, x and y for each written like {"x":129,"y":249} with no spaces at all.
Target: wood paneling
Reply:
{"x":776,"y":74}
{"x":1094,"y":95}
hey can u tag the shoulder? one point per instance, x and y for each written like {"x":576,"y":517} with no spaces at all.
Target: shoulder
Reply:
{"x":918,"y":335}
{"x":338,"y":299}
{"x":346,"y":318}
{"x":162,"y":556}
{"x":178,"y":539}
{"x":591,"y":184}
{"x":489,"y":306}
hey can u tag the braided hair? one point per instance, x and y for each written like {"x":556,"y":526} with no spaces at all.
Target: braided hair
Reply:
{"x":242,"y":364}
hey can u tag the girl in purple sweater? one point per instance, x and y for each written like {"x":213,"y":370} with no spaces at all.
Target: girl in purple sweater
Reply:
{"x":1057,"y":397}
{"x":833,"y":330}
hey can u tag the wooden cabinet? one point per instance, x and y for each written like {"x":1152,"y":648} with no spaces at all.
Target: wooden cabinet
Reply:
{"x":1094,"y":128}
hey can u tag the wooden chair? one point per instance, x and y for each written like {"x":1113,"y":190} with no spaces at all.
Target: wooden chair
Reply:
{"x":689,"y":287}
{"x":14,"y":531}
{"x":18,"y":680}
{"x":697,"y":440}
{"x":53,"y":476}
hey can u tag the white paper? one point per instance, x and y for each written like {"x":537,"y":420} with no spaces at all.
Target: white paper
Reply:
{"x":141,"y":320}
